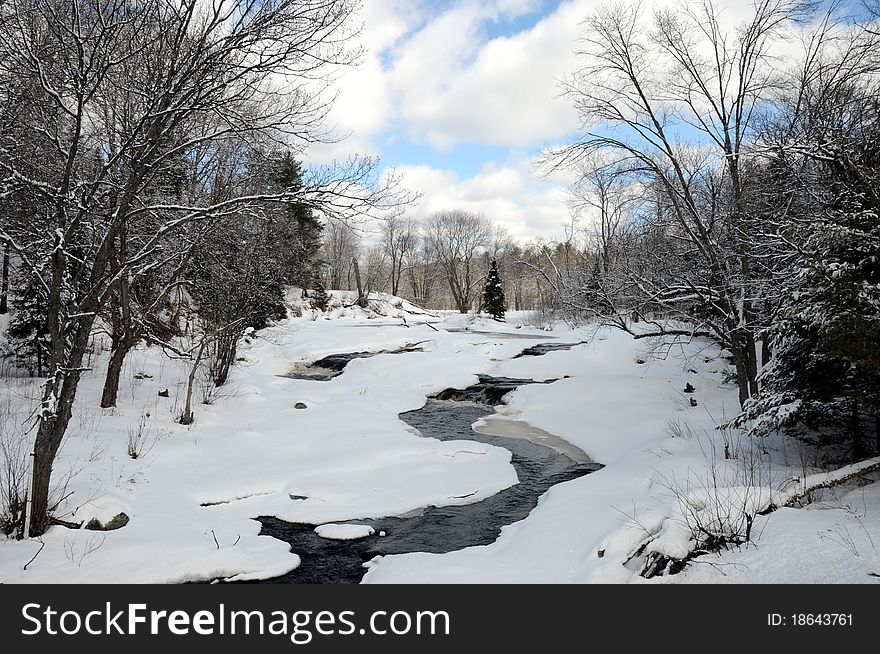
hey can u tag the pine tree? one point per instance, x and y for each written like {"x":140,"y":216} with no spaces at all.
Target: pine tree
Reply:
{"x":300,"y":228}
{"x":493,"y":294}
{"x":823,"y":382}
{"x":28,"y":332}
{"x":320,"y":298}
{"x":824,"y":377}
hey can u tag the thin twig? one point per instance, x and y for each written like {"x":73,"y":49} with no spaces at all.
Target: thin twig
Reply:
{"x":33,"y":558}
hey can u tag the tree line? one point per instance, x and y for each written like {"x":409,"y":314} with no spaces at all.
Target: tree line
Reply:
{"x":441,"y":262}
{"x":734,"y":194}
{"x":151,"y":163}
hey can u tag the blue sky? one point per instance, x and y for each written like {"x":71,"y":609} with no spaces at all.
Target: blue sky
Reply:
{"x":461,"y":96}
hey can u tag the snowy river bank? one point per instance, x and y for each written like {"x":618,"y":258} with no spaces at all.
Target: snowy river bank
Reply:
{"x":540,"y":461}
{"x":362,"y":451}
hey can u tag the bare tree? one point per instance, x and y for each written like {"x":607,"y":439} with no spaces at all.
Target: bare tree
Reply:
{"x":339,"y":249}
{"x":604,"y":200}
{"x":118,"y":93}
{"x":651,"y":79}
{"x":457,"y":237}
{"x":400,"y":237}
{"x":370,"y":271}
{"x":420,"y":266}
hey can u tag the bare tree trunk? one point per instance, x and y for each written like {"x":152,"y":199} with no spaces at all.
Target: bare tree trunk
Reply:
{"x":38,"y":346}
{"x":41,"y":477}
{"x":225,"y":348}
{"x":110,"y":393}
{"x":856,"y":431}
{"x":751,"y":362}
{"x":745,"y":361}
{"x":56,"y":410}
{"x":361,"y":300}
{"x":395,"y":282}
{"x":186,"y":418}
{"x":4,"y":291}
{"x":123,"y":338}
{"x":458,"y":296}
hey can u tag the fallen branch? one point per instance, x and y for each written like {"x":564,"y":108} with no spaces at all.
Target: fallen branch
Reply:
{"x":34,"y":557}
{"x":657,"y":564}
{"x":64,"y":523}
{"x":830,"y":480}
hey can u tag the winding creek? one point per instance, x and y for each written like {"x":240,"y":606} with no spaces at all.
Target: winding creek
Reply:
{"x":540,"y":459}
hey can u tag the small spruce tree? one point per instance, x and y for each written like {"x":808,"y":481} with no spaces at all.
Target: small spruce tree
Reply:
{"x":320,"y":298}
{"x":493,"y":294}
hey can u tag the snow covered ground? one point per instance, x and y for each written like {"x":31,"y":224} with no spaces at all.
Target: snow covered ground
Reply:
{"x":193,"y":492}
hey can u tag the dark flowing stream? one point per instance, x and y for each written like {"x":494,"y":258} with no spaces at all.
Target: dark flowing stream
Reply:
{"x":544,"y":348}
{"x":448,"y":416}
{"x":333,"y":365}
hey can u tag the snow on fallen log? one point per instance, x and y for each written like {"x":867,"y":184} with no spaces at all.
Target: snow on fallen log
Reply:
{"x":822,"y":480}
{"x":713,"y":517}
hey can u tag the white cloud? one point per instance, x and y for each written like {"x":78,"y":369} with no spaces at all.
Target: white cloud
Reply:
{"x":440,"y":80}
{"x":509,"y":194}
{"x":433,"y":77}
{"x":504,"y":92}
{"x":364,"y":106}
{"x":437,"y":78}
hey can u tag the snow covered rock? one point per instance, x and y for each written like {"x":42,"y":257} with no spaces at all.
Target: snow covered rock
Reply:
{"x":116,"y":522}
{"x":344,"y":304}
{"x":104,"y":513}
{"x":344,"y":531}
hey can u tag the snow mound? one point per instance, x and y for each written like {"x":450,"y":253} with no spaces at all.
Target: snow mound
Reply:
{"x":726,"y":513}
{"x":344,"y":532}
{"x":343,"y":304}
{"x":465,"y":322}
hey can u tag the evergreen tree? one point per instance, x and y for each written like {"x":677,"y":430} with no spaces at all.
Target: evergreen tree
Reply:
{"x":493,"y":294}
{"x":592,"y":293}
{"x":28,"y":331}
{"x":300,"y":230}
{"x":824,"y":379}
{"x":320,"y":298}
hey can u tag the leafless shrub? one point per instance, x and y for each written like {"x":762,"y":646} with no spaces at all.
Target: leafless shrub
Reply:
{"x":87,"y":420}
{"x":141,"y":439}
{"x":207,"y":388}
{"x":734,"y":494}
{"x":842,"y":537}
{"x":14,"y":451}
{"x":13,"y":478}
{"x":174,"y":407}
{"x":79,"y":547}
{"x":99,"y":449}
{"x":717,"y":507}
{"x":676,"y":427}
